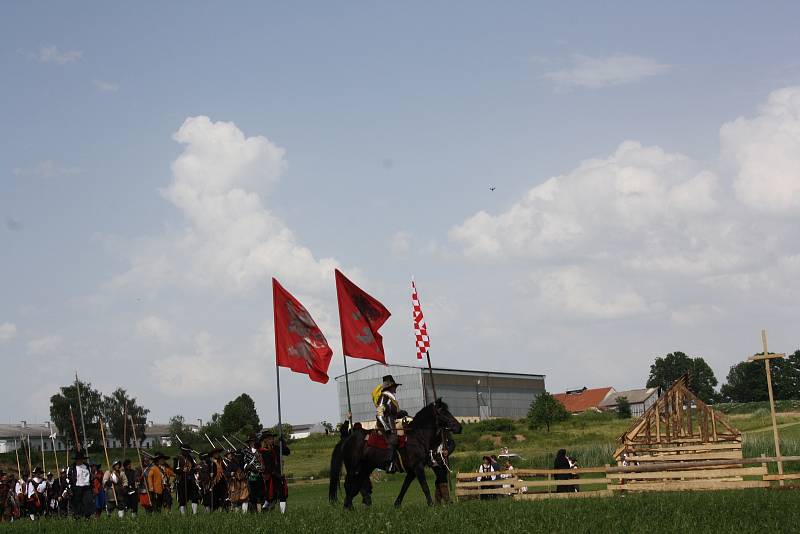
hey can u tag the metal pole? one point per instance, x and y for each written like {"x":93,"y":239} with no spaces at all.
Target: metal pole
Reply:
{"x":80,"y":407}
{"x":347,"y":387}
{"x":280,"y":420}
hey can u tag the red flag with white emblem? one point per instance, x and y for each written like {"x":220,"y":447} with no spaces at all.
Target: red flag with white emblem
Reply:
{"x":420,"y":328}
{"x":360,"y":316}
{"x":299,"y":343}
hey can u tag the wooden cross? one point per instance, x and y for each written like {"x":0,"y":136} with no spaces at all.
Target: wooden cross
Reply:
{"x":766,"y":357}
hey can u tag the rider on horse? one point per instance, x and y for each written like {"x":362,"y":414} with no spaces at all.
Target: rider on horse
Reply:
{"x":388,"y":410}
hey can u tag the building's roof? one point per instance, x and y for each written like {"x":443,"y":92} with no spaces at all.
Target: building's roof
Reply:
{"x":314,"y":428}
{"x":583,"y":399}
{"x":451,"y":371}
{"x":31,"y":429}
{"x":634,"y":396}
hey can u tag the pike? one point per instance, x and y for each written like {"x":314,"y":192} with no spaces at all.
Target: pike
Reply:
{"x":139,"y":453}
{"x":125,"y":430}
{"x":108,"y":461}
{"x":16,"y":450}
{"x":41,"y":444}
{"x":74,"y":428}
{"x":55,"y":454}
{"x":80,"y":407}
{"x":30,"y":464}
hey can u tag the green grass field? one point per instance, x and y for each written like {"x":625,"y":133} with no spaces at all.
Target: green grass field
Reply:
{"x":741,"y":511}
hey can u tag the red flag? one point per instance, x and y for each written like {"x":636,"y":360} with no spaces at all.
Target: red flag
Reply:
{"x":299,"y":343}
{"x":361,"y":316}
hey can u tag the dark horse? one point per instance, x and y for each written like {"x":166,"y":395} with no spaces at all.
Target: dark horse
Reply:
{"x":423,"y":434}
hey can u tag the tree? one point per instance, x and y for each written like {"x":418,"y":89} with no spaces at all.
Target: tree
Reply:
{"x":239,"y":416}
{"x":668,"y":369}
{"x":177,"y":425}
{"x":623,"y":408}
{"x":92,"y":403}
{"x":747,"y":381}
{"x":545,"y":410}
{"x":115,"y":408}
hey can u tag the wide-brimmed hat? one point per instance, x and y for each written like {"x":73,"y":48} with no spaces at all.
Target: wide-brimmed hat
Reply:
{"x":252,"y":437}
{"x":214,"y":450}
{"x":268,"y":433}
{"x":79,"y":455}
{"x":38,"y":471}
{"x":388,"y":381}
{"x":160,"y":456}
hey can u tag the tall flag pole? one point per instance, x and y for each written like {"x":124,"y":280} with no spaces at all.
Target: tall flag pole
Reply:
{"x":421,"y":333}
{"x":360,"y":318}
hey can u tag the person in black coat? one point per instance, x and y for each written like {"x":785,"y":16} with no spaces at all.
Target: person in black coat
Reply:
{"x":562,"y":462}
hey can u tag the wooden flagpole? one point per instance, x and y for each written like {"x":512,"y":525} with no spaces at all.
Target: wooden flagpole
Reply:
{"x":347,"y":388}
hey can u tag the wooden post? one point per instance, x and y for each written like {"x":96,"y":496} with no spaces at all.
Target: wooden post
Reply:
{"x":766,"y":356}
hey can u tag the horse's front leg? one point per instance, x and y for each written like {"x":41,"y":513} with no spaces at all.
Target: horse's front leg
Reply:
{"x":406,"y":484}
{"x":351,"y":489}
{"x":420,"y":471}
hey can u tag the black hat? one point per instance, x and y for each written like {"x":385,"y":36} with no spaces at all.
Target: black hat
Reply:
{"x":252,"y":437}
{"x":388,"y":381}
{"x":268,"y":433}
{"x":79,"y":455}
{"x":160,"y":456}
{"x":38,"y":471}
{"x":214,"y":450}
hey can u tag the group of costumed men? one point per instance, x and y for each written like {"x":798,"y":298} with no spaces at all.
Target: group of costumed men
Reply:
{"x":248,"y":479}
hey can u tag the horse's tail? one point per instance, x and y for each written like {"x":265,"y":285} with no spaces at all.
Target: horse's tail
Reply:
{"x":336,"y":471}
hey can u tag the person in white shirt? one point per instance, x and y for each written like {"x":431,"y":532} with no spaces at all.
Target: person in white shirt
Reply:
{"x":35,"y":493}
{"x":80,"y":482}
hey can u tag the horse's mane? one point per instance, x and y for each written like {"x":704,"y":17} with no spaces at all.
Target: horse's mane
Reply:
{"x":426,"y":417}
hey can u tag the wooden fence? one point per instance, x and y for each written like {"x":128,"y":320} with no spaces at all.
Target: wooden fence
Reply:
{"x":688,"y":474}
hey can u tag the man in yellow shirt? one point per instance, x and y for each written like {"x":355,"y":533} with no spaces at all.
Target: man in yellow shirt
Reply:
{"x":157,"y":481}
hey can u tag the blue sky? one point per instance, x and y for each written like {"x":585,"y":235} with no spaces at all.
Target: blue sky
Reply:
{"x":395,"y":121}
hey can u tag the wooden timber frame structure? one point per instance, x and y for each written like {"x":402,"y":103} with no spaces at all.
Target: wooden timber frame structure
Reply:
{"x":680,"y":428}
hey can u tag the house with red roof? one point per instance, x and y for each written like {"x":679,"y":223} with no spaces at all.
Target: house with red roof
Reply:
{"x":584,"y":399}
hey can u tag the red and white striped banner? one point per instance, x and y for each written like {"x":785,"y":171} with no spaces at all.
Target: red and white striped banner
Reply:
{"x":420,"y":329}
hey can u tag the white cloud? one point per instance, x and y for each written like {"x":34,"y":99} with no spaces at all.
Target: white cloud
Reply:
{"x":156,"y":328}
{"x":231,"y":241}
{"x":646,"y":231}
{"x":105,"y":87}
{"x":766,"y":151}
{"x":597,"y":72}
{"x":401,"y":243}
{"x":8,"y":331}
{"x":51,"y":54}
{"x":580,"y":294}
{"x":198,"y":371}
{"x":44,"y":345}
{"x":46,"y":169}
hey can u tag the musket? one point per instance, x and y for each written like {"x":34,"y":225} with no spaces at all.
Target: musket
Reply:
{"x":229,"y":442}
{"x":55,"y":454}
{"x":224,"y":462}
{"x":242,"y":443}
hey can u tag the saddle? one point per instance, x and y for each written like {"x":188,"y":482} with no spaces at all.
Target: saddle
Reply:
{"x":376,"y":440}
